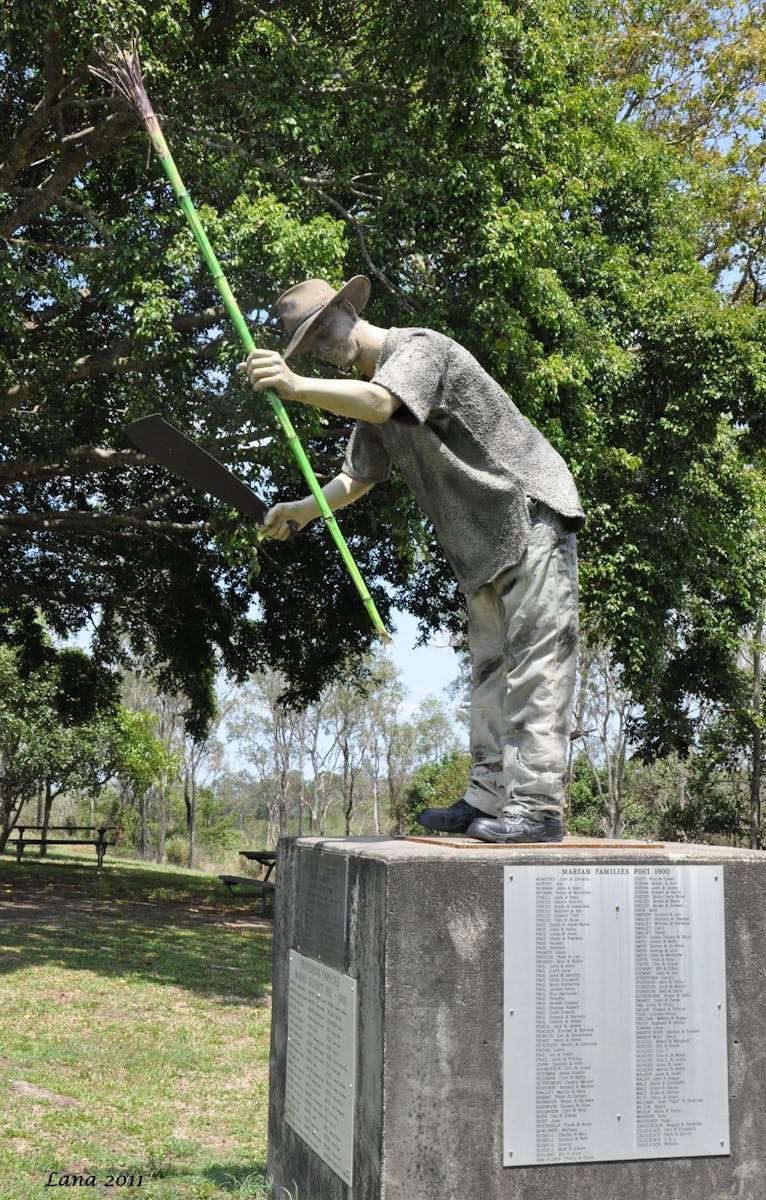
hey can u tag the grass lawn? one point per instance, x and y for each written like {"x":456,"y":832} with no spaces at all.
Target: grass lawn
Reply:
{"x":134,"y":1032}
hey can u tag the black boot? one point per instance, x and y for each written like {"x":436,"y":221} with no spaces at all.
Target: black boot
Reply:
{"x":450,"y":820}
{"x":517,"y":827}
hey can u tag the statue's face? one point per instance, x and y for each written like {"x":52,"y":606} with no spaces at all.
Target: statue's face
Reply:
{"x":334,"y":337}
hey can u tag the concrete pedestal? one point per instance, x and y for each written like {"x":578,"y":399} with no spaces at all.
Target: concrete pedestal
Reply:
{"x":419,"y":926}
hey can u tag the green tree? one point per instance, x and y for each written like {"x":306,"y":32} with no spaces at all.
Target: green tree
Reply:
{"x":61,"y":730}
{"x":694,"y":75}
{"x":388,"y":741}
{"x":147,"y":764}
{"x":433,"y":785}
{"x":476,"y":161}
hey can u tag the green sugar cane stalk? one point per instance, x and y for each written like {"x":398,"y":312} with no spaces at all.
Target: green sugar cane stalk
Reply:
{"x":122,"y":70}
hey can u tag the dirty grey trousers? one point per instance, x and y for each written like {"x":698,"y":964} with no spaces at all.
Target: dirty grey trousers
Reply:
{"x":522,"y":636}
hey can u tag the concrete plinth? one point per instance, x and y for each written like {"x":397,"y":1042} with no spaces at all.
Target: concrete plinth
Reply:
{"x":419,"y":927}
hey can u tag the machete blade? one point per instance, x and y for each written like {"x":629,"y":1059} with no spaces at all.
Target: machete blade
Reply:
{"x":174,"y":450}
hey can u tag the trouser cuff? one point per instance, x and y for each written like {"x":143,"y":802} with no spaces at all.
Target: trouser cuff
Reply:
{"x":531,"y":808}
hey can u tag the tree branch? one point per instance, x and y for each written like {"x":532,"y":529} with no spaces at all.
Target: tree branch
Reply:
{"x":84,"y":520}
{"x":105,"y":137}
{"x":105,"y":524}
{"x":20,"y":149}
{"x":318,"y":185}
{"x":358,"y":230}
{"x":74,"y":206}
{"x":232,"y":15}
{"x":33,"y":591}
{"x":114,"y":361}
{"x":60,"y":249}
{"x":161,"y":500}
{"x":280,"y":25}
{"x":82,"y":460}
{"x":16,"y":158}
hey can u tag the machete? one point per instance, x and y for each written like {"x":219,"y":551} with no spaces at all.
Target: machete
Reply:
{"x":174,"y":450}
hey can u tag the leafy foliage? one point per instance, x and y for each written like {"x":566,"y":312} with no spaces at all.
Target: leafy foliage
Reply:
{"x":60,"y":729}
{"x":509,"y":174}
{"x":434,"y":785}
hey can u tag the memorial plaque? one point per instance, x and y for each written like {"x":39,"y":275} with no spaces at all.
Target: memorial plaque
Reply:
{"x":615,"y":1014}
{"x":321,"y":1061}
{"x":321,"y":907}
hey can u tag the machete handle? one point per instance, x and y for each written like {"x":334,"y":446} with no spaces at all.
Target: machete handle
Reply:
{"x":291,"y":525}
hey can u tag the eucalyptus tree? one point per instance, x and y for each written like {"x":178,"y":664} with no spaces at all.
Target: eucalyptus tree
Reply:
{"x":694,"y":75}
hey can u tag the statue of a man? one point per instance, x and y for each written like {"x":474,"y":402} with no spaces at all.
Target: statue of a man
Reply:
{"x":505,"y":509}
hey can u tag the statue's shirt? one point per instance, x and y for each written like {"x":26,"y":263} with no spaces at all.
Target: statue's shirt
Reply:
{"x":469,"y":456}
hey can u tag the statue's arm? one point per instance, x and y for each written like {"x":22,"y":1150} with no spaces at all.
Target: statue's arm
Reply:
{"x":356,"y":398}
{"x":280,"y":521}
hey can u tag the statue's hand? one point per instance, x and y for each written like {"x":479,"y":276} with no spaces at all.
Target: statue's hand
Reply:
{"x":267,"y":369}
{"x":284,"y":520}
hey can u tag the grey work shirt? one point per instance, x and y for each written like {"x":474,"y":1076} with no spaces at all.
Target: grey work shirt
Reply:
{"x":466,"y":452}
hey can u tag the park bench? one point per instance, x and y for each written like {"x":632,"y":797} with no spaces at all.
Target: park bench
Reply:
{"x":248,"y":884}
{"x":42,"y":838}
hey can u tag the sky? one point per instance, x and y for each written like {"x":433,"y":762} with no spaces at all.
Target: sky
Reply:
{"x":425,"y":670}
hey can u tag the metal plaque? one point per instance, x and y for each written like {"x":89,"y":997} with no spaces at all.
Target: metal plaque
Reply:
{"x":615,"y":1014}
{"x":321,"y":1061}
{"x":321,"y":907}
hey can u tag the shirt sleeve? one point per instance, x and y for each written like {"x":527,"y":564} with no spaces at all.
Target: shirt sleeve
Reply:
{"x":414,"y":374}
{"x":366,"y":457}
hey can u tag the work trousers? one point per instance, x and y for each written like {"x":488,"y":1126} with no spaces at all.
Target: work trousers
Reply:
{"x":522,"y":636}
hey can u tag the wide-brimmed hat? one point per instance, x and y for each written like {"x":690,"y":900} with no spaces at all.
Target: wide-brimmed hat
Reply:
{"x":300,"y":306}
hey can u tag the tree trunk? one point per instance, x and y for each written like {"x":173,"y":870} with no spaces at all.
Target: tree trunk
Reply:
{"x":48,"y":804}
{"x":190,"y":802}
{"x":376,"y":805}
{"x":9,"y":811}
{"x":163,"y":821}
{"x":302,"y":784}
{"x":143,"y":848}
{"x":757,"y":741}
{"x":682,"y":781}
{"x":348,"y":791}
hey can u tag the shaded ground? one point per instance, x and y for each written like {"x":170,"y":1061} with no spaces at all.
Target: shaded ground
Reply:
{"x":178,"y":928}
{"x":57,"y":893}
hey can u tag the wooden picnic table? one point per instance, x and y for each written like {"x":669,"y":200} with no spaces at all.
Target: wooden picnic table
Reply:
{"x":41,"y":836}
{"x":266,"y":858}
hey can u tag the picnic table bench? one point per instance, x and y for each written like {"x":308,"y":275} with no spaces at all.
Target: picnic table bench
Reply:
{"x":41,"y":837}
{"x":251,"y":884}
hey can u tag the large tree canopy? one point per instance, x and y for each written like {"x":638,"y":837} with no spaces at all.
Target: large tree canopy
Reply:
{"x":476,"y":161}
